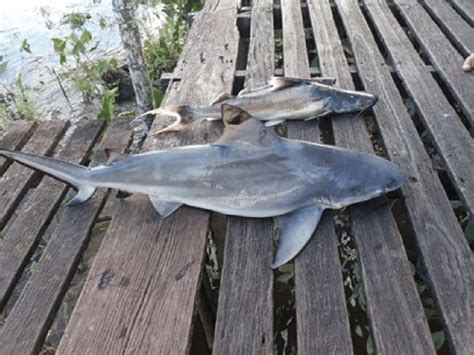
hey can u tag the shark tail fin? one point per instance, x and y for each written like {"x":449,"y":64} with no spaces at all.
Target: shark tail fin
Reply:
{"x":72,"y":174}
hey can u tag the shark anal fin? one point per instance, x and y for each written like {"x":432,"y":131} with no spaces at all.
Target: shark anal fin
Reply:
{"x":164,"y":208}
{"x":296,"y":229}
{"x":83,"y":194}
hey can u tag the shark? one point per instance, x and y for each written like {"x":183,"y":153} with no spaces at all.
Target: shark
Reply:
{"x":283,"y":99}
{"x":250,"y":171}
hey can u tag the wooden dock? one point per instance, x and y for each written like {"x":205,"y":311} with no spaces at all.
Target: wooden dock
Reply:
{"x":145,"y":292}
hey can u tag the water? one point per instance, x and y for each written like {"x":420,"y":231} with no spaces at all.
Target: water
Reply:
{"x":29,"y":19}
{"x":38,"y":21}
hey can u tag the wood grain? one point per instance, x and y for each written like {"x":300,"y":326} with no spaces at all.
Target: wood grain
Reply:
{"x":152,"y":312}
{"x":321,"y":313}
{"x":244,"y":322}
{"x":16,"y":181}
{"x":452,"y":140}
{"x":465,"y":7}
{"x":30,"y":318}
{"x":31,"y":221}
{"x":443,"y":249}
{"x":370,"y":238}
{"x":441,"y":53}
{"x":453,"y":25}
{"x":14,"y":138}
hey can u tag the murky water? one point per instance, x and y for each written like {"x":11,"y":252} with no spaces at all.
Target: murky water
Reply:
{"x":38,"y":21}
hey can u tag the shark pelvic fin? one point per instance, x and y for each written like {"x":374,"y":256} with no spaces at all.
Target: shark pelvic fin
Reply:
{"x":241,"y":128}
{"x":164,"y":208}
{"x":83,"y":194}
{"x":296,"y":229}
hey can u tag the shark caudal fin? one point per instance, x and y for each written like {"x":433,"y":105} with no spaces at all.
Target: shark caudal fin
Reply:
{"x":72,"y":174}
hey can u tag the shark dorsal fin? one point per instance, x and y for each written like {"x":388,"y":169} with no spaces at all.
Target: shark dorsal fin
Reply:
{"x":241,"y":127}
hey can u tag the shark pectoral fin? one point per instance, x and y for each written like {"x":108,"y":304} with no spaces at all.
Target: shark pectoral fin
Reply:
{"x":83,"y":194}
{"x":296,"y":229}
{"x":164,"y":208}
{"x":222,"y":97}
{"x":273,"y":122}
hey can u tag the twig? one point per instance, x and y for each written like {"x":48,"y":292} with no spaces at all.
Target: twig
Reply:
{"x":62,"y":87}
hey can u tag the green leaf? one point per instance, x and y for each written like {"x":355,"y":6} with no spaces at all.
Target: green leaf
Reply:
{"x":438,"y":339}
{"x":25,"y":46}
{"x":102,"y":23}
{"x":78,"y":49}
{"x":86,"y":36}
{"x":107,"y":112}
{"x":369,"y":345}
{"x":59,"y":45}
{"x":469,"y":232}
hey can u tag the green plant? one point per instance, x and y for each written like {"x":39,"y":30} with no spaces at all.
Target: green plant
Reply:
{"x":74,"y":52}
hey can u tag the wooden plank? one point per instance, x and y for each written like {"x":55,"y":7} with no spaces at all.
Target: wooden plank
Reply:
{"x":14,"y":138}
{"x":321,"y":312}
{"x":30,"y":318}
{"x":453,"y":142}
{"x":22,"y":236}
{"x":444,"y":251}
{"x":153,"y":312}
{"x":441,"y":53}
{"x":15,"y":182}
{"x":465,"y":7}
{"x":458,"y":30}
{"x":245,"y":314}
{"x":378,"y":240}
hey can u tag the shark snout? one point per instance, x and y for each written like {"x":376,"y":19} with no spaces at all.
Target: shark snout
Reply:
{"x":395,"y":177}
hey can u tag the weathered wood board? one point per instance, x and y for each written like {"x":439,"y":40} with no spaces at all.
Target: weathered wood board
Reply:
{"x":245,"y":314}
{"x":31,"y":221}
{"x":147,"y":320}
{"x":429,"y":210}
{"x":31,"y":316}
{"x":17,"y":179}
{"x":14,"y":138}
{"x":321,"y":311}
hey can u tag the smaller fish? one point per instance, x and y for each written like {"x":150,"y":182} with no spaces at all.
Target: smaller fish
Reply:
{"x":284,"y":99}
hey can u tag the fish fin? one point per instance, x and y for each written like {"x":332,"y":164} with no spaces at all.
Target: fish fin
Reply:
{"x":279,"y":82}
{"x":155,"y":111}
{"x":83,"y":194}
{"x":114,"y":155}
{"x":273,"y":123}
{"x":220,"y":98}
{"x":242,"y":128}
{"x":296,"y":229}
{"x":123,"y":194}
{"x":174,"y":127}
{"x":164,"y":208}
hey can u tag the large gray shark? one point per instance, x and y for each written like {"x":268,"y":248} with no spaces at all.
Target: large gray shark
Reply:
{"x":284,"y":99}
{"x":250,"y":171}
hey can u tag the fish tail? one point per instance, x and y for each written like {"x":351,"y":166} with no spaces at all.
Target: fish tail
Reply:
{"x":72,"y":174}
